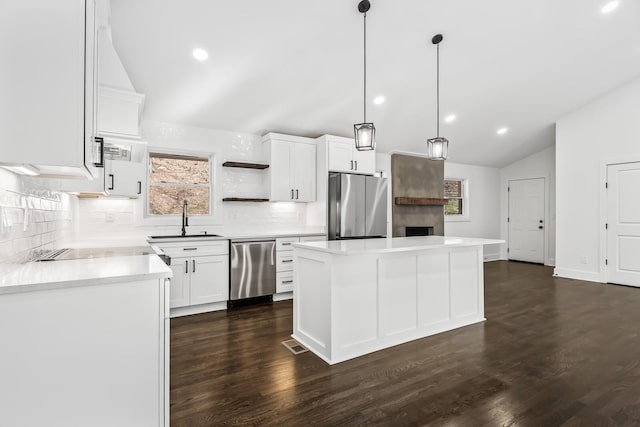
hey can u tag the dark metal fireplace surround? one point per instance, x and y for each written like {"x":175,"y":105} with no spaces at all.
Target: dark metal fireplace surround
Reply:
{"x":413,"y":231}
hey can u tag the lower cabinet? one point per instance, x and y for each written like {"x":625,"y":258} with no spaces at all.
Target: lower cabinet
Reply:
{"x":284,"y":260}
{"x":199,"y":280}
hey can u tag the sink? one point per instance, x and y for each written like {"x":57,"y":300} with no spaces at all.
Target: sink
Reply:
{"x":180,"y":236}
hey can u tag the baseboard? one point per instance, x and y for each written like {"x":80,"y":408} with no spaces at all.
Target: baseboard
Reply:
{"x":551,"y":262}
{"x":588,"y":276}
{"x":282,"y":296}
{"x":197,"y":309}
{"x":491,"y":257}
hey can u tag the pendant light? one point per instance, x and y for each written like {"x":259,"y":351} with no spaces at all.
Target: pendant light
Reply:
{"x":365,"y":133}
{"x":438,"y":146}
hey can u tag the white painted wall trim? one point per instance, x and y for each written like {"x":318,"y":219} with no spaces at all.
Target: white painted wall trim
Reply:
{"x":568,"y":273}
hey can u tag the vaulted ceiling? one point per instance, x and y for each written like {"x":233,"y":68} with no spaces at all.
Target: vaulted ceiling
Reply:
{"x":295,"y":66}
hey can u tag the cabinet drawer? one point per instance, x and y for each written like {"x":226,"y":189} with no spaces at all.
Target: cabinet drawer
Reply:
{"x":284,"y":261}
{"x":218,"y":247}
{"x":284,"y":281}
{"x":318,"y":238}
{"x":285,"y":243}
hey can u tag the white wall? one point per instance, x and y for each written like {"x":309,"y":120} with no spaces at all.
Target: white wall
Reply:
{"x":32,"y":218}
{"x":605,"y":130}
{"x":121,"y":219}
{"x":483,"y":205}
{"x":538,"y":165}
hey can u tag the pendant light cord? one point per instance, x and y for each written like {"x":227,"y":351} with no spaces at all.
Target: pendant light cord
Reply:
{"x":365,"y":69}
{"x":438,"y":90}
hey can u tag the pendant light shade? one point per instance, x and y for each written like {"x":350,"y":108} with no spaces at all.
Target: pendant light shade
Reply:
{"x":365,"y":133}
{"x":438,"y":147}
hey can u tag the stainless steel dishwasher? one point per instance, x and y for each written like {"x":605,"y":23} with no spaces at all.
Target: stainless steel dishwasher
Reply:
{"x":253,"y":269}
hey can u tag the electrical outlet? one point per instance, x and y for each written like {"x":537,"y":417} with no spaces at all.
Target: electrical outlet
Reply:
{"x":584,"y":260}
{"x":110,"y":216}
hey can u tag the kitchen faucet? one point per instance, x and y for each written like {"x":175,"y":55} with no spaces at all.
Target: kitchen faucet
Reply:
{"x":185,"y":218}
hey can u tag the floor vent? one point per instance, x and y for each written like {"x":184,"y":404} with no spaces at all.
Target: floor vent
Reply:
{"x":295,"y":347}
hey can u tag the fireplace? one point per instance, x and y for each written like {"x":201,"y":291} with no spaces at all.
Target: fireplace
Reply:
{"x":418,"y":231}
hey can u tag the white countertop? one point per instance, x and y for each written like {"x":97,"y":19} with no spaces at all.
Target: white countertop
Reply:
{"x":392,"y":244}
{"x":34,"y":276}
{"x":231,"y":236}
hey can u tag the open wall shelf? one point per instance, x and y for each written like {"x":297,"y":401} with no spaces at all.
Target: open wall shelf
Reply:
{"x":243,"y":199}
{"x":420,"y":201}
{"x":245,"y":165}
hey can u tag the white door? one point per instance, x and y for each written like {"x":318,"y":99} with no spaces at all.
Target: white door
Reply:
{"x":179,"y":288}
{"x":304,"y":172}
{"x":526,"y":220}
{"x":280,"y":172}
{"x":124,"y":178}
{"x":209,"y":279}
{"x":340,"y":156}
{"x":623,"y":227}
{"x":364,"y":161}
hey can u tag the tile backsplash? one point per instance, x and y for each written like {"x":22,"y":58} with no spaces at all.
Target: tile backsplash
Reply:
{"x":32,"y":218}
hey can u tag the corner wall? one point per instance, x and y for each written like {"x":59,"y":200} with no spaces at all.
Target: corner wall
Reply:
{"x":538,"y":165}
{"x":607,"y":130}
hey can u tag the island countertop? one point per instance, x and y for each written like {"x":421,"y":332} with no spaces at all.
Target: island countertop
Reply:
{"x":393,"y":244}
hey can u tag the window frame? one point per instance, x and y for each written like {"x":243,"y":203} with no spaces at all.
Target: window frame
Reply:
{"x":465,"y":215}
{"x":148,"y":219}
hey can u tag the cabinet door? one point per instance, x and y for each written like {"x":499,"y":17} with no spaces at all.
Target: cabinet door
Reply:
{"x":124,"y":178}
{"x":179,"y":289}
{"x":364,"y":161}
{"x":209,"y":279}
{"x":340,"y":156}
{"x":280,"y":172}
{"x":304,"y":172}
{"x":42,"y":82}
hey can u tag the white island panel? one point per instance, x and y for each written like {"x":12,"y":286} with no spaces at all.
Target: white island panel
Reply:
{"x":349,"y":301}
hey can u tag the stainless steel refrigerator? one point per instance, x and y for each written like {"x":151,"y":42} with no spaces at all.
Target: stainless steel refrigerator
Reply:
{"x":357,"y":206}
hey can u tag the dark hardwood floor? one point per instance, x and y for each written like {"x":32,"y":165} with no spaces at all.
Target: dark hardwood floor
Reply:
{"x":552,"y":352}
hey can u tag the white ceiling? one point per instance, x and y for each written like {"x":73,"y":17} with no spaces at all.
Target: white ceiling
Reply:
{"x":293,"y":66}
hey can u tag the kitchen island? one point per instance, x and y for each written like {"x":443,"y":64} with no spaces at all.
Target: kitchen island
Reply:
{"x":353,"y":297}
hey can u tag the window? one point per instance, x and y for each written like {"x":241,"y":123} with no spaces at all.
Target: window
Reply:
{"x":454,"y":192}
{"x":175,"y":178}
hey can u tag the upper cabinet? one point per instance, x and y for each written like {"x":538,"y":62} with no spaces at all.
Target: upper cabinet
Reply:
{"x":48,"y":86}
{"x":343,"y":156}
{"x":292,"y":171}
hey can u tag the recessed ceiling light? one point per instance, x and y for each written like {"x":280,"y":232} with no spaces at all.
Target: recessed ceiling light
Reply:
{"x":610,"y":7}
{"x":502,"y":131}
{"x":378,"y":100}
{"x":200,"y":54}
{"x":450,"y":118}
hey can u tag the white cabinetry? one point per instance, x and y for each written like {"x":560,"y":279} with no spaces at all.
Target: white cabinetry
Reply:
{"x":124,"y":178}
{"x":85,"y":355}
{"x":47,"y":82}
{"x":344,"y":157}
{"x":292,"y":171}
{"x":284,"y":260}
{"x":200,"y":272}
{"x":118,"y":178}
